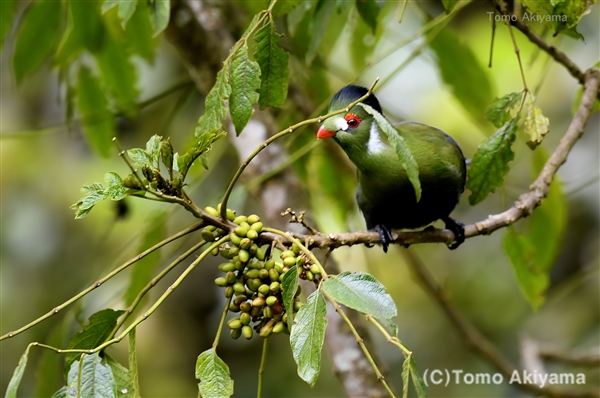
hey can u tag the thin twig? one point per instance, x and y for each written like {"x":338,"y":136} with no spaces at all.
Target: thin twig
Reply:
{"x":261,"y":369}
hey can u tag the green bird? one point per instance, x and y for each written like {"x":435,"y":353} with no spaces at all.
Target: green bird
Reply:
{"x":385,"y":194}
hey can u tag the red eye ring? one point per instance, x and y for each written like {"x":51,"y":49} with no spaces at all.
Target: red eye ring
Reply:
{"x":352,"y":120}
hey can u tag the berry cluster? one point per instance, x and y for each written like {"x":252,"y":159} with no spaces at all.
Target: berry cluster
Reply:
{"x":253,"y":277}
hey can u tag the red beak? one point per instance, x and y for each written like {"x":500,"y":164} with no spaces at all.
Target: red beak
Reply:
{"x":323,"y":133}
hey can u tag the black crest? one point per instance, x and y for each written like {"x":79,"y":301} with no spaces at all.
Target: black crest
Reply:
{"x":350,"y":94}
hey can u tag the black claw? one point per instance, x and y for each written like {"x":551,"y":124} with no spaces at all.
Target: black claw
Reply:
{"x":385,"y":235}
{"x":458,"y":229}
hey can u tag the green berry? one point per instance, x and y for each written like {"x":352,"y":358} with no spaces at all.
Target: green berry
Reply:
{"x":229,"y":291}
{"x":263,"y":274}
{"x":230,"y":215}
{"x":287,"y":253}
{"x":215,"y":251}
{"x":221,"y":281}
{"x":226,"y":267}
{"x":256,"y":312}
{"x":252,"y":219}
{"x":274,"y":287}
{"x":240,"y":299}
{"x":266,"y":330}
{"x":260,"y":254}
{"x":289,"y":261}
{"x":310,"y":276}
{"x":230,"y":277}
{"x":245,"y":225}
{"x":234,"y":323}
{"x":235,"y":333}
{"x":241,"y":231}
{"x":267,"y":312}
{"x":314,"y":268}
{"x":245,"y":306}
{"x":212,"y":211}
{"x":273,"y":275}
{"x":258,"y":227}
{"x":300,"y":261}
{"x":296,"y":249}
{"x":252,"y":273}
{"x":244,"y":256}
{"x":271,"y":301}
{"x":234,"y":308}
{"x":239,"y":219}
{"x":279,"y":327}
{"x":258,"y":302}
{"x":252,"y":234}
{"x":247,"y":332}
{"x":278,"y":267}
{"x":245,"y":243}
{"x":264,"y":289}
{"x":297,"y":305}
{"x":269,"y":264}
{"x":245,"y":318}
{"x":235,"y":240}
{"x":254,"y":284}
{"x":208,"y":236}
{"x":233,"y":251}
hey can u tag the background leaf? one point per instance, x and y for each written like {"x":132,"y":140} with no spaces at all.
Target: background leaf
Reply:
{"x":289,"y":284}
{"x":307,"y":336}
{"x":213,"y":374}
{"x":274,"y":67}
{"x":449,"y":5}
{"x":139,"y":34}
{"x":473,"y":92}
{"x":94,"y":333}
{"x":245,"y":80}
{"x":96,"y":379}
{"x":406,"y":158}
{"x":88,"y":27}
{"x":363,"y":293}
{"x":159,"y":11}
{"x":36,"y":37}
{"x":369,"y":11}
{"x":490,"y":163}
{"x":7,"y":14}
{"x":97,"y":120}
{"x":317,"y":27}
{"x":15,"y":380}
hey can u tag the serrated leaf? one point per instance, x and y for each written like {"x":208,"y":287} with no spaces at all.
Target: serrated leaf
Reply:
{"x":153,"y":149}
{"x":96,"y":379}
{"x":536,"y":124}
{"x":122,"y":378}
{"x":159,"y":11}
{"x":117,"y":192}
{"x":490,"y":163}
{"x":404,"y":155}
{"x":245,"y":80}
{"x":289,"y":285}
{"x":369,"y":12}
{"x":416,"y":379}
{"x":91,"y":200}
{"x":274,"y":66}
{"x":94,"y":333}
{"x":97,"y":120}
{"x":213,"y":374}
{"x":215,"y":110}
{"x":113,"y":179}
{"x":318,"y":25}
{"x":307,"y":336}
{"x":15,"y":380}
{"x":202,"y":145}
{"x":144,"y":269}
{"x":95,"y":187}
{"x":473,"y":92}
{"x":139,"y":157}
{"x":499,"y":111}
{"x":363,"y":293}
{"x":118,"y":73}
{"x":7,"y":14}
{"x":36,"y":37}
{"x":81,"y":213}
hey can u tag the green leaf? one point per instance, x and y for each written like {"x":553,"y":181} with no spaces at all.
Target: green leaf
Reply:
{"x":455,"y":62}
{"x":289,"y":284}
{"x":490,"y":163}
{"x":307,"y":336}
{"x":406,"y":158}
{"x":202,"y":145}
{"x":7,"y":14}
{"x":122,"y":378}
{"x":536,"y":124}
{"x":533,"y":251}
{"x":143,"y":270}
{"x":284,"y":7}
{"x":245,"y":80}
{"x":296,"y":15}
{"x":48,"y":371}
{"x":570,"y":13}
{"x":96,"y":378}
{"x":94,"y":333}
{"x":36,"y":37}
{"x":70,"y":46}
{"x":274,"y":66}
{"x":118,"y":73}
{"x":96,"y":187}
{"x":109,"y":4}
{"x":363,"y":40}
{"x":139,"y":34}
{"x":153,"y":149}
{"x":405,"y":375}
{"x":449,"y":5}
{"x":159,"y":11}
{"x":213,"y":374}
{"x":318,"y":25}
{"x":126,"y":11}
{"x":139,"y":157}
{"x":113,"y":179}
{"x":369,"y":11}
{"x":97,"y":120}
{"x":15,"y":380}
{"x":215,"y":110}
{"x":499,"y":112}
{"x":363,"y":293}
{"x":88,"y":28}
{"x":62,"y":393}
{"x":416,"y":379}
{"x":133,"y":366}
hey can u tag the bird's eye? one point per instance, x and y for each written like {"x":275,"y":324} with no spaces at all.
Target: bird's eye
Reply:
{"x":352,"y":120}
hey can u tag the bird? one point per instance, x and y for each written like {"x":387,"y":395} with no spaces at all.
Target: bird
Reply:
{"x":385,"y":195}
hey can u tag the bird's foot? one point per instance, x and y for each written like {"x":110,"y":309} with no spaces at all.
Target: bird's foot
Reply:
{"x":385,"y":235}
{"x":458,"y":229}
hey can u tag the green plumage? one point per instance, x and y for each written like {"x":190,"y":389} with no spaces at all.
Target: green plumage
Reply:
{"x":385,"y":195}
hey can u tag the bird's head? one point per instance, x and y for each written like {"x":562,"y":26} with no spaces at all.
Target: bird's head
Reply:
{"x":353,"y":125}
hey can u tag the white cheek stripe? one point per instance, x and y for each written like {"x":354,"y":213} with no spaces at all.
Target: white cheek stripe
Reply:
{"x":375,"y":145}
{"x":341,"y":124}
